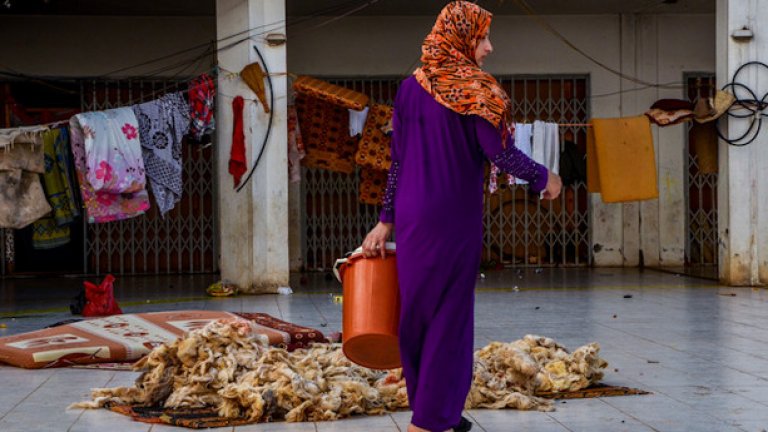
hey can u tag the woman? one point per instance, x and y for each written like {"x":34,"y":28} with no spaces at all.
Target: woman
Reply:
{"x":448,"y":118}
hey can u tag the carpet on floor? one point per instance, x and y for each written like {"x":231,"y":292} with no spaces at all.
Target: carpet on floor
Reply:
{"x":128,"y":337}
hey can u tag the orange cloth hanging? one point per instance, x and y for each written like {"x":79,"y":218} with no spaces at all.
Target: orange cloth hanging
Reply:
{"x":621,"y":162}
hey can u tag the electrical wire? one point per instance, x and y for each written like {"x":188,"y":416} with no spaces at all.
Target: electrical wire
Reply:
{"x":269,"y":125}
{"x":523,"y":4}
{"x":756,"y":108}
{"x":265,"y":28}
{"x":344,"y":8}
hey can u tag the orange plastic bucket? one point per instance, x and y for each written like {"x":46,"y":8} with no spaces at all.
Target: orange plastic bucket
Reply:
{"x":370,"y":309}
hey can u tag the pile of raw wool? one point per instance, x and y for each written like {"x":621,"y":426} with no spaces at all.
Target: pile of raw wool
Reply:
{"x":507,"y":375}
{"x":225,"y":365}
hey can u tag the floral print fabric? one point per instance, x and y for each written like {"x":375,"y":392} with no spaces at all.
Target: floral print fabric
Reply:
{"x":110,"y":168}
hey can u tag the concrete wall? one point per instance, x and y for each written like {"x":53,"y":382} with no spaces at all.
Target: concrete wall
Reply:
{"x":656,"y":48}
{"x":92,"y":46}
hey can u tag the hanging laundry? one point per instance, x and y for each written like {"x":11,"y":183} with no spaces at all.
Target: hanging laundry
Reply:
{"x":295,"y":146}
{"x":237,"y":163}
{"x":357,"y":121}
{"x":372,"y":186}
{"x":373,"y":151}
{"x":331,"y":93}
{"x":324,"y":129}
{"x":621,"y":163}
{"x":202,"y":94}
{"x":668,"y":112}
{"x":523,"y":140}
{"x":110,"y":168}
{"x":573,"y":165}
{"x":162,"y":125}
{"x":254,"y":78}
{"x":546,"y":145}
{"x":64,"y":160}
{"x":709,"y":109}
{"x":54,"y":231}
{"x":20,"y":134}
{"x":22,"y":200}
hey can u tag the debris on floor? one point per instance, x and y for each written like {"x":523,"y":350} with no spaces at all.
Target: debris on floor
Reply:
{"x":221,"y":289}
{"x":225,"y":365}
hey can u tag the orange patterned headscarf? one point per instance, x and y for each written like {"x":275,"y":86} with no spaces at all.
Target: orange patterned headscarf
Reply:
{"x":450,"y":72}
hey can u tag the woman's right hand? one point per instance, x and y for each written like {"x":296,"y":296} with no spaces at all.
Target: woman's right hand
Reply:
{"x":554,"y":185}
{"x":376,"y":240}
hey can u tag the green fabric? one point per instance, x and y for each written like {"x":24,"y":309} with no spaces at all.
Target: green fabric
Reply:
{"x":53,"y":230}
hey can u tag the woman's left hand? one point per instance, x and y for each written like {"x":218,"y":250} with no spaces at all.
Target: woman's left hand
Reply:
{"x":376,"y":240}
{"x":554,"y":185}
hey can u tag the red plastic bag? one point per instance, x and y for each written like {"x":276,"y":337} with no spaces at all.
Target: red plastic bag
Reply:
{"x":100,"y":300}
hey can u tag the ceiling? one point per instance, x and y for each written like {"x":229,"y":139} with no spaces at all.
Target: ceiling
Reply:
{"x":338,"y":7}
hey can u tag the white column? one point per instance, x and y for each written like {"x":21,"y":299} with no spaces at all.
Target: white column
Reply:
{"x":253,"y":222}
{"x":743,"y":185}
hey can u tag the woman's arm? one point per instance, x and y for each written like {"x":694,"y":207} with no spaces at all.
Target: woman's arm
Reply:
{"x":387,"y":214}
{"x":513,"y":161}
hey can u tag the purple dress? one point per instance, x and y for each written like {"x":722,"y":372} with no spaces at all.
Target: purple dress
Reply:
{"x":434,"y":197}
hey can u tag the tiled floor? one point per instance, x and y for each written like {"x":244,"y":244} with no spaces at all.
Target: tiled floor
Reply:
{"x":701,"y":349}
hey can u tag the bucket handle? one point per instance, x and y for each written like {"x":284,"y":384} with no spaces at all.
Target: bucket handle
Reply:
{"x":337,"y":265}
{"x":389,"y":246}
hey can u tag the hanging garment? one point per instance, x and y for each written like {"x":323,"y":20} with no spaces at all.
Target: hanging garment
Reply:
{"x":295,"y":146}
{"x":668,"y":112}
{"x":254,"y":78}
{"x":372,"y":185}
{"x":202,"y":94}
{"x":63,"y":151}
{"x":523,"y":139}
{"x":324,"y":131}
{"x":110,"y":168}
{"x":546,"y":145}
{"x":47,"y":235}
{"x":331,"y":93}
{"x":53,"y":231}
{"x":19,"y":134}
{"x":22,"y":200}
{"x":373,"y":151}
{"x":621,"y":163}
{"x":357,"y":121}
{"x":573,"y":165}
{"x":237,"y":163}
{"x":162,"y":125}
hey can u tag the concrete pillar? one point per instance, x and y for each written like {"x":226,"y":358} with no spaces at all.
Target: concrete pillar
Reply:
{"x":253,"y":222}
{"x":743,"y":185}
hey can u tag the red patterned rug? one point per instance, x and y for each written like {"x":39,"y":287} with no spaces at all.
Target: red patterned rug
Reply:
{"x":128,"y":337}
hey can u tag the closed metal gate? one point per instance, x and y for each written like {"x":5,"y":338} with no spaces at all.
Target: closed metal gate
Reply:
{"x":701,"y":240}
{"x":186,"y":239}
{"x":519,"y":230}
